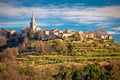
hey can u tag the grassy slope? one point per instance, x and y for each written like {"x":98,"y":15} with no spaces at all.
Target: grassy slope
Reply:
{"x":32,"y":66}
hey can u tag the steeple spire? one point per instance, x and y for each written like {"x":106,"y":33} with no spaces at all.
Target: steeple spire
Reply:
{"x":33,"y":25}
{"x":32,"y":18}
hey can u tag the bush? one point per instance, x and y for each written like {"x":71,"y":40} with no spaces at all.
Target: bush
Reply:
{"x":1,"y":68}
{"x":63,"y":73}
{"x":3,"y":41}
{"x":94,"y":72}
{"x":61,"y":47}
{"x":25,"y":71}
{"x":77,"y":74}
{"x":9,"y":54}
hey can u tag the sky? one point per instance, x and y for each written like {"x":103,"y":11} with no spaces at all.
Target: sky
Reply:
{"x":77,"y":15}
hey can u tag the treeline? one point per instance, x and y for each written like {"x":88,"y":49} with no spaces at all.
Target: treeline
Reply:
{"x":44,"y":47}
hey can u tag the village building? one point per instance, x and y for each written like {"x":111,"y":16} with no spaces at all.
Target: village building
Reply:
{"x":110,"y":37}
{"x":91,"y":34}
{"x":101,"y":33}
{"x":66,"y":34}
{"x":13,"y":32}
{"x":80,"y":32}
{"x":46,"y":32}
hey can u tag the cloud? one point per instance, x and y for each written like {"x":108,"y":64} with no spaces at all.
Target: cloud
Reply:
{"x":80,"y":14}
{"x":111,"y":32}
{"x":117,"y":28}
{"x":50,"y":24}
{"x":23,"y":24}
{"x":13,"y":23}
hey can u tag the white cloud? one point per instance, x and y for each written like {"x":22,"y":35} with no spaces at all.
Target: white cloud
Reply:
{"x":111,"y":32}
{"x":117,"y":28}
{"x":86,"y":15}
{"x":13,"y":23}
{"x":50,"y":24}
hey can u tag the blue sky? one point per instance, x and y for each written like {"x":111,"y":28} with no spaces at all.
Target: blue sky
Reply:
{"x":63,"y":14}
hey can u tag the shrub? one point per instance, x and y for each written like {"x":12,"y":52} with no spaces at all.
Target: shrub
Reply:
{"x":77,"y":74}
{"x":1,"y":68}
{"x":63,"y":73}
{"x":25,"y":71}
{"x":93,"y":72}
{"x":3,"y":41}
{"x":9,"y":54}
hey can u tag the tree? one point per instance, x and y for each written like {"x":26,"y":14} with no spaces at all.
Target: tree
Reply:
{"x":9,"y":54}
{"x":31,"y":34}
{"x":3,"y":41}
{"x":77,"y":74}
{"x":75,"y":36}
{"x":93,"y":72}
{"x":4,"y":32}
{"x":61,"y":47}
{"x":63,"y":74}
{"x":40,"y":47}
{"x":24,"y":46}
{"x":71,"y":48}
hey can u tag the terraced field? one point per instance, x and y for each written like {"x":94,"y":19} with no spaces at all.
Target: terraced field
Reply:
{"x":56,"y":59}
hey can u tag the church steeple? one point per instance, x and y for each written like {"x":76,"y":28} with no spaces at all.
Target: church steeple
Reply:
{"x":32,"y":18}
{"x":33,"y":25}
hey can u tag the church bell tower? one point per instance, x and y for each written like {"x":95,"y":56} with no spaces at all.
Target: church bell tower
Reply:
{"x":33,"y":23}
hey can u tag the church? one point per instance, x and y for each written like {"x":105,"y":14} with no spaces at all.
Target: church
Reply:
{"x":33,"y":25}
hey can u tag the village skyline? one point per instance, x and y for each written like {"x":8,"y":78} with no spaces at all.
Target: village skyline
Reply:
{"x":75,"y":15}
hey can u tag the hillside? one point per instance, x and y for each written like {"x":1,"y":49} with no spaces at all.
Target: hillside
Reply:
{"x":61,"y":60}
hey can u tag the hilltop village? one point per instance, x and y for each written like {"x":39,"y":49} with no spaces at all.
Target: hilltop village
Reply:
{"x":12,"y":38}
{"x":58,"y":34}
{"x":35,"y":32}
{"x":35,"y":39}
